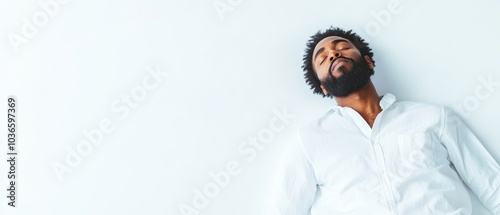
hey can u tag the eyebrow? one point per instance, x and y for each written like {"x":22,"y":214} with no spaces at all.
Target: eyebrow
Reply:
{"x":322,"y":49}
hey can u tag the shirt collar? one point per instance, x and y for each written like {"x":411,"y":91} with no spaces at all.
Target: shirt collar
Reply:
{"x":387,"y":100}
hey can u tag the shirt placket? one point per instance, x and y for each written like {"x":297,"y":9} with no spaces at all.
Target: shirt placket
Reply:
{"x":384,"y":178}
{"x":373,"y":135}
{"x":381,"y":166}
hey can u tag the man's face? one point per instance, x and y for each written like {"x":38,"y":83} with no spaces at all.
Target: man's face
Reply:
{"x":340,"y":67}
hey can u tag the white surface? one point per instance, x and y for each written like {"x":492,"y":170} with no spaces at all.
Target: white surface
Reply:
{"x":227,"y":78}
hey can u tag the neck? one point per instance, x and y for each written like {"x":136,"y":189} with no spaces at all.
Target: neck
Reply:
{"x":365,"y":101}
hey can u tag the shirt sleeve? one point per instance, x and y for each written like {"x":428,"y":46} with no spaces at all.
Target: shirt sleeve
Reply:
{"x":294,"y":188}
{"x":477,"y":168}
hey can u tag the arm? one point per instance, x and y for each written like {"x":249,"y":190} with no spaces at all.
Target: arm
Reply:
{"x":294,"y":186}
{"x":477,"y":168}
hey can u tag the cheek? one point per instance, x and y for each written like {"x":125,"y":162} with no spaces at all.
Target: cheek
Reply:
{"x":356,"y":55}
{"x":322,"y":73}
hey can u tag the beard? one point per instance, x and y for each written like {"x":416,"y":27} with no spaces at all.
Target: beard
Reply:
{"x":349,"y":81}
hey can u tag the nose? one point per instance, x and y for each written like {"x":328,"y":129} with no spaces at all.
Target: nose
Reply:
{"x":334,"y":55}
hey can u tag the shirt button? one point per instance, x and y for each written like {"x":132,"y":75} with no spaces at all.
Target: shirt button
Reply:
{"x":382,"y":172}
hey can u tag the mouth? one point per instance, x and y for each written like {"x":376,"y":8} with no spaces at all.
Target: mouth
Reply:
{"x":339,"y":62}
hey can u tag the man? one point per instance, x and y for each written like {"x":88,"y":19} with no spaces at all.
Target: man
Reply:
{"x":371,"y":154}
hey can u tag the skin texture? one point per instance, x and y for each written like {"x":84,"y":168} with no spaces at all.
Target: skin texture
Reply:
{"x":366,"y":100}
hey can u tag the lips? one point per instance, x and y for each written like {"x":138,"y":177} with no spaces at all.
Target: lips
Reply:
{"x":339,"y":62}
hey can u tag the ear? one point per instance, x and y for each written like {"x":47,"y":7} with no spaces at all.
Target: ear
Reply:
{"x":324,"y":90}
{"x":369,"y":61}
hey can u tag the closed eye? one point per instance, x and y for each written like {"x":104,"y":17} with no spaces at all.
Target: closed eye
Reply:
{"x":322,"y":61}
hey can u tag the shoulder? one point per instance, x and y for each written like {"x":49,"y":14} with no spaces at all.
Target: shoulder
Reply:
{"x":319,"y":123}
{"x":413,"y":107}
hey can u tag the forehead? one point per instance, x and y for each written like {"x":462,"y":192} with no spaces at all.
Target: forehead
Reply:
{"x":328,"y":40}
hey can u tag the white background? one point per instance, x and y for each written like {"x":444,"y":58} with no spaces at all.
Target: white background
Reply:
{"x":228,"y":72}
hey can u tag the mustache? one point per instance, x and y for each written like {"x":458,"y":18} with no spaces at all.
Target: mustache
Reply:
{"x":341,"y":57}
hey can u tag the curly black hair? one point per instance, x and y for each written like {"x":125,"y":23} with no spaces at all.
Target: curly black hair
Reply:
{"x":309,"y":73}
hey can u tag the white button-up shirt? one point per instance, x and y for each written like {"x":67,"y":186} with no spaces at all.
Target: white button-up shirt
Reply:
{"x":416,"y":159}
